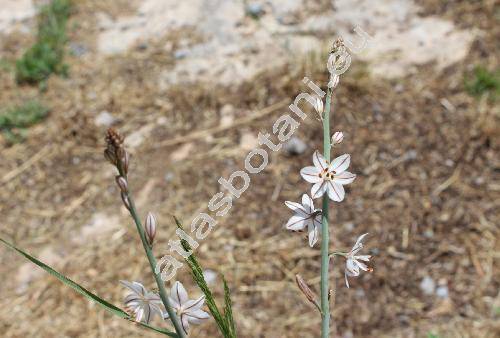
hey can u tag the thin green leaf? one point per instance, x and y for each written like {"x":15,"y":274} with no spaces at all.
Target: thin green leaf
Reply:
{"x":81,"y":290}
{"x":228,"y":309}
{"x":198,"y":277}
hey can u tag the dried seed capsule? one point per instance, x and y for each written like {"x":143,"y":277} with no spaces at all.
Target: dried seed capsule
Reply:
{"x":150,"y":227}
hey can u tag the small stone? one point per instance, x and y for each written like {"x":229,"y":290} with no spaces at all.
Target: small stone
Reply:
{"x":162,"y":120}
{"x":104,"y":119}
{"x":442,"y":291}
{"x":210,"y":276}
{"x":169,"y":176}
{"x":295,"y":146}
{"x":411,"y":155}
{"x":427,"y":285}
{"x":248,"y":141}
{"x":254,"y":10}
{"x":142,"y":46}
{"x":181,"y":54}
{"x":78,"y":49}
{"x":429,"y":233}
{"x":349,"y":226}
{"x":449,"y":163}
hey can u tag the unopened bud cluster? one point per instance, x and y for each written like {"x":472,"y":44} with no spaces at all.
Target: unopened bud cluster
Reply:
{"x":115,"y":152}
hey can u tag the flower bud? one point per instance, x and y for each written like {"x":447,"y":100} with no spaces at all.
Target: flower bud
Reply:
{"x":337,"y":138}
{"x":150,"y":227}
{"x":122,"y":183}
{"x":319,"y":106}
{"x":110,"y":156}
{"x":125,"y":162}
{"x":306,"y":290}
{"x":125,"y":200}
{"x":334,"y":81}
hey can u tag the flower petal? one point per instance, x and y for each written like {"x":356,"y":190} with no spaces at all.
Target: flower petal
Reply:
{"x":185,"y":323}
{"x":344,"y":177}
{"x":298,"y":208}
{"x":192,"y":305}
{"x":341,"y":163}
{"x":296,"y":223}
{"x":313,"y":233}
{"x":319,"y":161}
{"x":318,"y":189}
{"x":336,"y":191}
{"x":132,"y":301}
{"x":346,"y":281}
{"x":310,"y":174}
{"x":178,"y":293}
{"x":358,"y":245}
{"x":308,"y":204}
{"x":365,"y":258}
{"x":362,"y":266}
{"x":351,"y":268}
{"x":136,"y":287}
{"x":197,"y":316}
{"x":317,"y":221}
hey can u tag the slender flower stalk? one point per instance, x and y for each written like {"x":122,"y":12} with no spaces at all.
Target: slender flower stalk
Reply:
{"x":152,"y":262}
{"x":325,"y":238}
{"x":118,"y":156}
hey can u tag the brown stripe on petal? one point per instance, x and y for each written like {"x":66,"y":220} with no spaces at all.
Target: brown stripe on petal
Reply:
{"x":334,"y":190}
{"x":319,"y":190}
{"x":318,"y":159}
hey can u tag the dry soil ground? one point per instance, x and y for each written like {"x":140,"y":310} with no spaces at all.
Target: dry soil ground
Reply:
{"x":427,"y":191}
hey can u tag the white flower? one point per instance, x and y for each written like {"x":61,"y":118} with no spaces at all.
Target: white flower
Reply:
{"x":353,"y":263}
{"x":337,"y":138}
{"x":143,"y":303}
{"x":189,"y":311}
{"x":305,"y":216}
{"x":319,"y":106}
{"x":328,"y":177}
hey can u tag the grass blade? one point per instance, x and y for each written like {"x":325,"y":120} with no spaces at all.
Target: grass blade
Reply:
{"x":81,"y":290}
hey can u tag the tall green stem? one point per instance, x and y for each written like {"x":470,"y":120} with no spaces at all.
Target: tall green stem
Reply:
{"x":152,"y":262}
{"x":325,"y":239}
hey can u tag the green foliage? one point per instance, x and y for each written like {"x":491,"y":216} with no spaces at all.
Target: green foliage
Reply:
{"x":228,"y":309}
{"x":432,"y":335}
{"x":15,"y":120}
{"x":83,"y":291}
{"x":224,"y":322}
{"x":483,"y":81}
{"x":46,"y":55}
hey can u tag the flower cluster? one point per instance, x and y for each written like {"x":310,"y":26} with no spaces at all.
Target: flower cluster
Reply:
{"x":144,"y":304}
{"x":327,"y":178}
